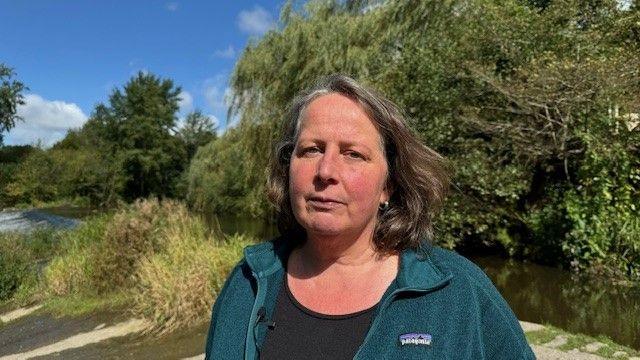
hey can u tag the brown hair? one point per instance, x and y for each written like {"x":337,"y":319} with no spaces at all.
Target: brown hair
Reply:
{"x":418,"y":177}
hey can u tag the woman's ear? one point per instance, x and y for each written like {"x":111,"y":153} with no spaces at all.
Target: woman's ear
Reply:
{"x":387,"y":192}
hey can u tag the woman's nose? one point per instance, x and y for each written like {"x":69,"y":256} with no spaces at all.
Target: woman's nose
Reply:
{"x":327,"y":167}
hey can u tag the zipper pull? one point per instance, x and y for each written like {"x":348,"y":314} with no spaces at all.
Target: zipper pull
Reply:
{"x":262,"y":318}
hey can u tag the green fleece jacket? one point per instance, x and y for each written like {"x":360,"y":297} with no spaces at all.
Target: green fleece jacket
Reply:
{"x":444,"y":307}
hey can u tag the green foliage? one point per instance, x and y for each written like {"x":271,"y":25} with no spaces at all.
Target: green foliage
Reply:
{"x":218,"y":178}
{"x":198,"y":130}
{"x":153,"y":257}
{"x":137,"y":127}
{"x":529,"y":100}
{"x":71,"y":272}
{"x":10,"y":157}
{"x":14,"y":265}
{"x":10,"y":97}
{"x":177,"y":286}
{"x":126,"y":150}
{"x":28,"y":184}
{"x":48,"y":175}
{"x":21,"y":256}
{"x":603,"y":209}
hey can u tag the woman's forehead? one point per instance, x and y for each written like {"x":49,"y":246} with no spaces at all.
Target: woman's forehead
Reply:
{"x":336,"y":115}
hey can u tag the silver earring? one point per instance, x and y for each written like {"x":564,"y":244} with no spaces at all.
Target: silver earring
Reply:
{"x":383,"y":206}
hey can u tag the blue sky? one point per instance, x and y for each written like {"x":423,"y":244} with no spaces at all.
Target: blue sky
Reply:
{"x":72,"y":54}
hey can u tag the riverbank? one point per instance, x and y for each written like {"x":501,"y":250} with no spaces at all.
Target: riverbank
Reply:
{"x":153,"y":258}
{"x":33,"y":332}
{"x":156,"y":258}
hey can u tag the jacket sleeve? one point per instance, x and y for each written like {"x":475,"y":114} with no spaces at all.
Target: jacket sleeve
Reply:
{"x":223,"y":297}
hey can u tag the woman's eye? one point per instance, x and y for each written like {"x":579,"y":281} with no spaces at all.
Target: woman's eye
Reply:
{"x":355,"y":155}
{"x":310,"y":150}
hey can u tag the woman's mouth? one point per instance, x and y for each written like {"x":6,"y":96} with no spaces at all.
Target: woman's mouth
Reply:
{"x":322,"y":202}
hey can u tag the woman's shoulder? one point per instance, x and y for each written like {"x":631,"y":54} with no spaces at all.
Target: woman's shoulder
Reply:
{"x":500,"y":327}
{"x":450,"y":262}
{"x":467,"y":278}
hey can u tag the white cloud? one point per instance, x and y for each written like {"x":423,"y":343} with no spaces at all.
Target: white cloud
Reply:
{"x":256,"y":21}
{"x":172,"y":6}
{"x":186,"y":102}
{"x":216,"y":92}
{"x":44,"y":120}
{"x":228,"y":53}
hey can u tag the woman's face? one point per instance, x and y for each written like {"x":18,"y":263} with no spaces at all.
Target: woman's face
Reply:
{"x":338,"y":170}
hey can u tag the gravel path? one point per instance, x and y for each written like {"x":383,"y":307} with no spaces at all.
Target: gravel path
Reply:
{"x":82,"y":337}
{"x":548,"y":353}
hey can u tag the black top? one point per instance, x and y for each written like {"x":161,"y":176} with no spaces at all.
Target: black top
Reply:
{"x":300,"y":333}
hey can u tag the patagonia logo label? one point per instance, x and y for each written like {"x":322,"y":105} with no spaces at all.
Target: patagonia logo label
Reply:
{"x":415,"y":339}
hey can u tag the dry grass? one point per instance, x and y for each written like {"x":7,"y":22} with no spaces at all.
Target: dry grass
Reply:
{"x":165,"y":258}
{"x":71,"y":272}
{"x":177,"y":286}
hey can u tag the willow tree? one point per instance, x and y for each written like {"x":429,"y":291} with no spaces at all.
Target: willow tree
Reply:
{"x":323,"y":38}
{"x":528,"y":100}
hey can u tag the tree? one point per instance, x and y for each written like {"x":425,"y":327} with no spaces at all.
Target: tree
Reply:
{"x":521,"y":96}
{"x":197,"y":131}
{"x":137,"y":128}
{"x":10,"y":98}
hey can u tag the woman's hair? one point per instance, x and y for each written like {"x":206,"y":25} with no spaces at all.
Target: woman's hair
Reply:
{"x":418,"y":177}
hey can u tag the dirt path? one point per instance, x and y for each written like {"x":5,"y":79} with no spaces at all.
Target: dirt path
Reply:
{"x":27,"y":335}
{"x":82,"y":339}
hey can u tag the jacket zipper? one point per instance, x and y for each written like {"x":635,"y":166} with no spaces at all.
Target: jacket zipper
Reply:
{"x":250,"y":350}
{"x":383,"y":307}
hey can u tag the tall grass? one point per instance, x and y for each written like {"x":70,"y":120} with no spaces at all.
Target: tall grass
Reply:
{"x":71,"y":273}
{"x":177,"y":286}
{"x":22,"y":257}
{"x":154,"y":257}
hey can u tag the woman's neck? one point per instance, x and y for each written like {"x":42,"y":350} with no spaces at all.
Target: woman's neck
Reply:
{"x":330,"y":277}
{"x":319,"y":253}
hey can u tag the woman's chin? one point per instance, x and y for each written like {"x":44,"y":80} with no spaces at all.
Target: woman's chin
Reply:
{"x":325,"y":227}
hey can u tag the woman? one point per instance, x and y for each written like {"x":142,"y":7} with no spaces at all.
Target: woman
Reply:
{"x":353,"y":274}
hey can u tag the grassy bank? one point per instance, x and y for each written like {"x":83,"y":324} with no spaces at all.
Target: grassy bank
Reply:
{"x":559,"y":339}
{"x":152,"y":258}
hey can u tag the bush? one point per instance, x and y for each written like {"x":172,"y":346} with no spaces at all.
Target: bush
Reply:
{"x":14,"y":264}
{"x":164,"y":259}
{"x":130,"y":236}
{"x":176,"y":287}
{"x":218,"y":178}
{"x":22,"y":255}
{"x":602,"y":210}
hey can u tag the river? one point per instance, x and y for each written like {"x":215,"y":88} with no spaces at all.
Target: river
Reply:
{"x":539,"y":294}
{"x":536,"y":293}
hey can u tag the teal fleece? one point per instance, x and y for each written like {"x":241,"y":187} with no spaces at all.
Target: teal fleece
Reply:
{"x":439,"y":293}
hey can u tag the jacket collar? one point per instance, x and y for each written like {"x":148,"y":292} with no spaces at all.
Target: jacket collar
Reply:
{"x":267,"y":258}
{"x":417,"y":269}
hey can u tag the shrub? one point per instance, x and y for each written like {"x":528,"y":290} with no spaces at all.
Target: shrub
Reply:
{"x":166,"y":260}
{"x":71,"y":271}
{"x":177,"y":286}
{"x":14,"y":264}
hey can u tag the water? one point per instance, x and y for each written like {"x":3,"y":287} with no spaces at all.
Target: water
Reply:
{"x":547,"y":295}
{"x":77,"y":213}
{"x":536,"y":293}
{"x":28,"y":220}
{"x":230,"y":225}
